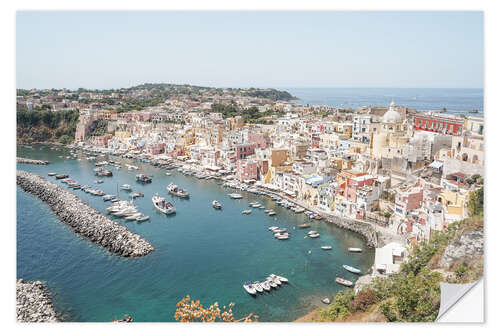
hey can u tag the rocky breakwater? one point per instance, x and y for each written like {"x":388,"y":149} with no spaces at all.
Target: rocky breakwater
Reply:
{"x":33,"y":303}
{"x":83,"y":219}
{"x":30,"y":161}
{"x":363,"y":228}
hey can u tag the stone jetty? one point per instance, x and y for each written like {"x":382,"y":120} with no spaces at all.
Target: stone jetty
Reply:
{"x":33,"y":303}
{"x":30,"y":161}
{"x":83,"y":219}
{"x":362,"y":228}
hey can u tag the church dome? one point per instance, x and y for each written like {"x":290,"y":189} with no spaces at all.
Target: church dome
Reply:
{"x":391,"y":116}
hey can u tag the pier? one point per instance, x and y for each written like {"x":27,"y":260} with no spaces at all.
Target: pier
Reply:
{"x":30,"y":161}
{"x":83,"y":219}
{"x":33,"y":303}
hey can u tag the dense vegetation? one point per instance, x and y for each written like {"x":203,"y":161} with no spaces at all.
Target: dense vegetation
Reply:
{"x":44,"y":125}
{"x":413,"y":294}
{"x":250,"y":115}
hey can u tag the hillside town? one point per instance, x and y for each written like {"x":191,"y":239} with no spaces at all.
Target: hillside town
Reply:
{"x":407,"y":172}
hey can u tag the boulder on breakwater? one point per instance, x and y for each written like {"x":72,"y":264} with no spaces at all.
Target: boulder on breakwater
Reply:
{"x":83,"y":219}
{"x":30,"y":161}
{"x":364,"y":229}
{"x":33,"y":303}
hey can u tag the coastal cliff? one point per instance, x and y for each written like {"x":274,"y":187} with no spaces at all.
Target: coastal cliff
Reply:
{"x":83,"y":219}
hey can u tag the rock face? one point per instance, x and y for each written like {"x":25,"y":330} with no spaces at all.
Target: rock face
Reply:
{"x":364,"y":229}
{"x":33,"y":303}
{"x":83,"y":219}
{"x":468,"y":246}
{"x":30,"y":161}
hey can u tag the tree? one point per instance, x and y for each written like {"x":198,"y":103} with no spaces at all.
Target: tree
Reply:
{"x":193,"y":311}
{"x":476,"y":203}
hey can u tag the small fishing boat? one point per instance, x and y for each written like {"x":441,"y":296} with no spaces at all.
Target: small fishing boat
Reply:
{"x":126,"y":187}
{"x":304,"y":225}
{"x":133,"y":216}
{"x":354,"y":249}
{"x":168,"y":173}
{"x":318,"y":217}
{"x":99,"y":181}
{"x":299,"y":210}
{"x":271,"y":282}
{"x":326,"y":247}
{"x":273,"y":228}
{"x":272,"y":213}
{"x":108,"y":197}
{"x":162,"y":205}
{"x":62,"y":176}
{"x":216,"y":204}
{"x":344,"y":282}
{"x":136,"y":195}
{"x":235,"y":196}
{"x":51,"y":173}
{"x":312,"y":232}
{"x":351,"y":269}
{"x":143,"y":178}
{"x":275,"y":279}
{"x":314,"y":235}
{"x":246,"y":211}
{"x":177,"y":191}
{"x":248,"y":286}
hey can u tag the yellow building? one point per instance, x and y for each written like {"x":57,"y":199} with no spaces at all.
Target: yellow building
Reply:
{"x":454,"y":201}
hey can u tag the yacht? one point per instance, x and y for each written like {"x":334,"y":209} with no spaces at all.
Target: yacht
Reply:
{"x":351,"y":269}
{"x":248,"y":286}
{"x":163,"y":206}
{"x":177,"y":191}
{"x":216,"y":204}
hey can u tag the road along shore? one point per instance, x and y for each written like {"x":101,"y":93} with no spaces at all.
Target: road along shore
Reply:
{"x":83,"y":219}
{"x":33,"y":303}
{"x":30,"y":161}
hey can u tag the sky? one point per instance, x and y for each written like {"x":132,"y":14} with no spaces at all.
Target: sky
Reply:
{"x":101,"y":50}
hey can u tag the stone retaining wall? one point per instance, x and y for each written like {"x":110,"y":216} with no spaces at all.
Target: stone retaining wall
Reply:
{"x":83,"y":219}
{"x":30,"y":161}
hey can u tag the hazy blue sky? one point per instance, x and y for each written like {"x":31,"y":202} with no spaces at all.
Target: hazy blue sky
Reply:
{"x":244,"y":49}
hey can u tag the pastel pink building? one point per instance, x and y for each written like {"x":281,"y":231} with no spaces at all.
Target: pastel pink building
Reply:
{"x":408,"y":199}
{"x":155,"y":148}
{"x":260,"y":139}
{"x":243,"y":150}
{"x":246,"y":170}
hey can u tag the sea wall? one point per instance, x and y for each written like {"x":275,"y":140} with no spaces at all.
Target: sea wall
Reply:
{"x":30,"y":161}
{"x":362,"y":228}
{"x":33,"y":303}
{"x":83,"y":219}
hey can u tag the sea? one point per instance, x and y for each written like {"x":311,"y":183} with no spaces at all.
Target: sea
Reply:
{"x":415,"y":98}
{"x":205,"y":253}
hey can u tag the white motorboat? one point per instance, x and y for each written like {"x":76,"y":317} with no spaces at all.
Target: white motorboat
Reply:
{"x":216,"y":204}
{"x":281,"y":278}
{"x":326,"y":247}
{"x":246,"y":211}
{"x":126,"y":187}
{"x":273,"y":228}
{"x":355,"y":249}
{"x":168,"y":173}
{"x":271,"y":213}
{"x":235,"y":196}
{"x":272,"y":283}
{"x":142,"y":218}
{"x":282,"y":237}
{"x":312,"y":232}
{"x":51,"y":173}
{"x":351,"y":269}
{"x":266,"y":285}
{"x":249,"y":288}
{"x":314,"y":235}
{"x":258,"y":287}
{"x":133,"y":216}
{"x":162,"y":205}
{"x":275,"y":280}
{"x":299,"y":210}
{"x":124,"y":212}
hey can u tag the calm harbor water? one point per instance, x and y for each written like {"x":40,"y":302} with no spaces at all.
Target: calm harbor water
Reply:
{"x":201,"y":252}
{"x":416,"y":98}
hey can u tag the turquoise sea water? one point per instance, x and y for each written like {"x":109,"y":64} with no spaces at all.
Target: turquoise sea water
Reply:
{"x":201,"y":252}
